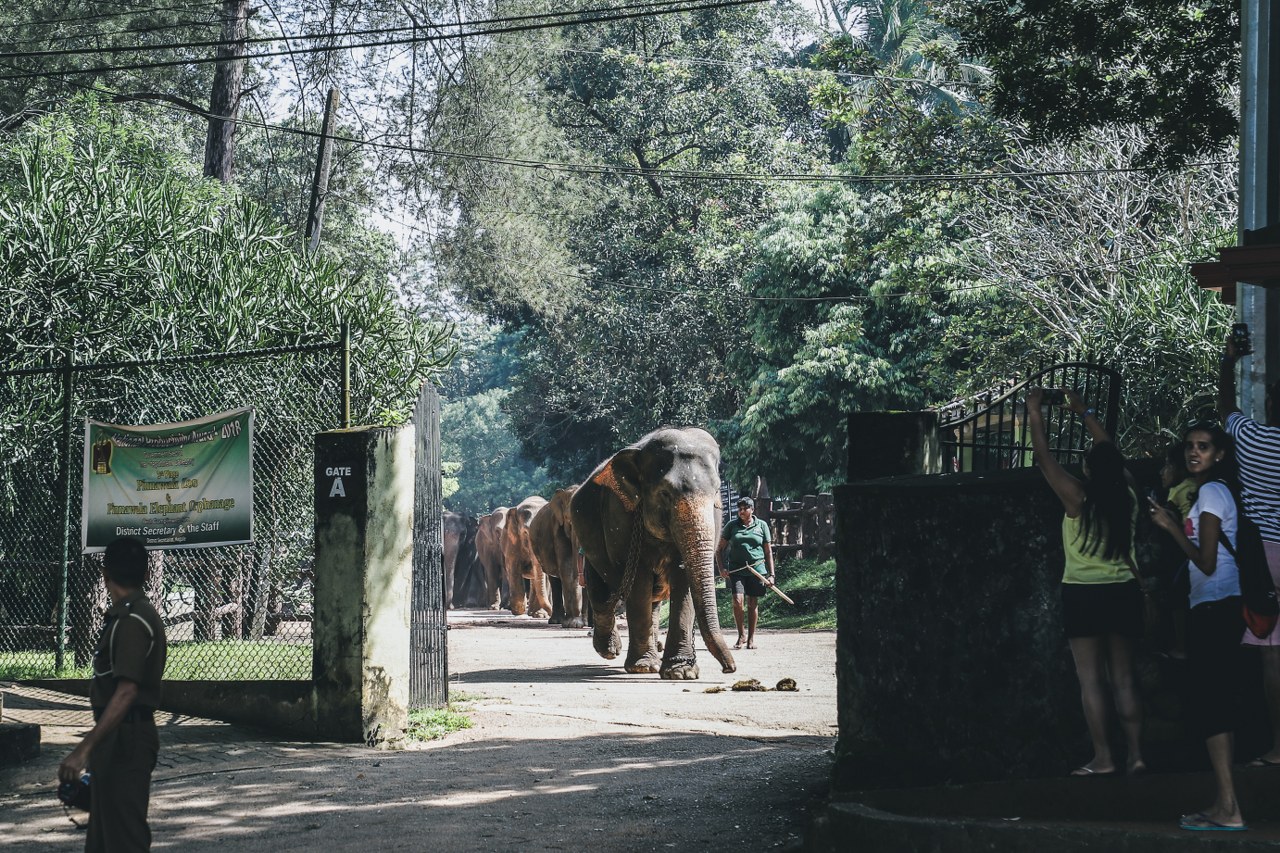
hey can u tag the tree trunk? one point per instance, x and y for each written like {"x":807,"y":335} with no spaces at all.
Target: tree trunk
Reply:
{"x":224,"y":99}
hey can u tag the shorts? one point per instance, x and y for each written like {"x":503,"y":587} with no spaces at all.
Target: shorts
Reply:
{"x":745,"y":582}
{"x":1097,"y":609}
{"x":1273,"y":563}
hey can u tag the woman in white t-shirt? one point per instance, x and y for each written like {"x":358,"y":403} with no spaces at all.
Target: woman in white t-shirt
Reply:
{"x":1216,"y":621}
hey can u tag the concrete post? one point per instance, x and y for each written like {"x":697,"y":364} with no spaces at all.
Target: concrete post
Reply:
{"x":890,"y":444}
{"x":1259,"y":192}
{"x":363,"y":583}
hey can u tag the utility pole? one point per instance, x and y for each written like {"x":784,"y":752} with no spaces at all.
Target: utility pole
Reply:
{"x":320,"y":181}
{"x":1259,"y":191}
{"x":224,"y":99}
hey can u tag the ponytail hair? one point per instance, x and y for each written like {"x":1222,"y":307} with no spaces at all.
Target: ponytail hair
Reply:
{"x":1106,"y":517}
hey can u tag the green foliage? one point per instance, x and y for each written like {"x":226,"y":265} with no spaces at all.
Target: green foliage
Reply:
{"x":1065,"y":67}
{"x":873,"y":310}
{"x":626,"y":287}
{"x":56,"y":24}
{"x":483,"y":456}
{"x":112,"y":246}
{"x":434,"y":723}
{"x":811,"y":584}
{"x":1100,"y":258}
{"x":1165,"y":334}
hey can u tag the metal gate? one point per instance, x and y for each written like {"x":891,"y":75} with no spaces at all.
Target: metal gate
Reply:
{"x":429,"y":641}
{"x":989,"y":431}
{"x":234,"y":612}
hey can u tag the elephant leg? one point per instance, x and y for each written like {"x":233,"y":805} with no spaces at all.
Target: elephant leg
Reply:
{"x":538,"y":604}
{"x":517,"y":598}
{"x":557,"y":601}
{"x":493,"y":586}
{"x":604,"y":634}
{"x":678,"y":660}
{"x":643,"y":654}
{"x":572,"y":602}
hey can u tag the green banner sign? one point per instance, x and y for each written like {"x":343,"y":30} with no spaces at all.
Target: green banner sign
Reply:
{"x":187,"y":485}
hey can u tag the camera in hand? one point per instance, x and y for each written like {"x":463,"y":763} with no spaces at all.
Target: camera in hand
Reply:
{"x":1055,"y":396}
{"x":1241,"y":339}
{"x":75,"y":794}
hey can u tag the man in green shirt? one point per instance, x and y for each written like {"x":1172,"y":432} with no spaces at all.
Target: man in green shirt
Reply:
{"x":745,"y":559}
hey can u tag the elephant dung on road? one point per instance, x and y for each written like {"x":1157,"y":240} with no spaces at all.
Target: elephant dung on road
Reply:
{"x":648,"y":520}
{"x":489,"y":536}
{"x":556,"y":549}
{"x":521,"y":564}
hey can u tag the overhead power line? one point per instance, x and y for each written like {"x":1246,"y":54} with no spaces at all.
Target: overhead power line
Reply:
{"x":665,"y":174}
{"x":123,"y":13}
{"x":722,"y":63}
{"x":101,"y":34}
{"x":550,"y":20}
{"x":335,"y":34}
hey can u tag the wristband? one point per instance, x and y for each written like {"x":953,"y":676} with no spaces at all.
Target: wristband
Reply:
{"x":1089,"y":412}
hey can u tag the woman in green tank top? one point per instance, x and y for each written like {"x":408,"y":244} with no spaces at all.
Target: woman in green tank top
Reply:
{"x":1102,"y":601}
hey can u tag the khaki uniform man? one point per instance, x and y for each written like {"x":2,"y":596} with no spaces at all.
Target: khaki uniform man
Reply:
{"x":120,"y":751}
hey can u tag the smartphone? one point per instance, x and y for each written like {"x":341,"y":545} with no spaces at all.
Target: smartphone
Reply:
{"x":1055,"y":396}
{"x":1240,"y":337}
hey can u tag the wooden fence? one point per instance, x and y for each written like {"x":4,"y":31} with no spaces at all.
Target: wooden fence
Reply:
{"x":803,"y":528}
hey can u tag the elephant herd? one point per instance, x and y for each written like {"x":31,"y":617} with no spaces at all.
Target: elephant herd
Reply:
{"x":641,"y":529}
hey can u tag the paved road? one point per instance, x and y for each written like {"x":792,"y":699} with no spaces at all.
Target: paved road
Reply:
{"x":568,"y":753}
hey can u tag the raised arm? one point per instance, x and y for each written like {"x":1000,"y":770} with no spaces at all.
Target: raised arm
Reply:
{"x":1088,"y":417}
{"x":1227,"y":381}
{"x":1068,"y":489}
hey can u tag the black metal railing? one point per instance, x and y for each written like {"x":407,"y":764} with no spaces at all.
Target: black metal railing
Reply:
{"x":988,"y":431}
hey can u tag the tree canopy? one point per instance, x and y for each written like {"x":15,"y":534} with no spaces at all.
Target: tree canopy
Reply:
{"x":112,"y":247}
{"x":1066,"y":67}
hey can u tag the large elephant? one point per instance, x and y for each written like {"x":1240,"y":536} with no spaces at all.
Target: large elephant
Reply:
{"x":489,"y":538}
{"x":459,"y":551}
{"x":556,"y":549}
{"x":468,"y":573}
{"x":521,"y":564}
{"x":648,"y":520}
{"x":456,"y":533}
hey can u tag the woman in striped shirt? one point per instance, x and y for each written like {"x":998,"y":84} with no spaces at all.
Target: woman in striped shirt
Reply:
{"x":1258,"y":456}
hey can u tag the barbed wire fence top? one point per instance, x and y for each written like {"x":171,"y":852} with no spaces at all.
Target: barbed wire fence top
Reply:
{"x":231,"y":612}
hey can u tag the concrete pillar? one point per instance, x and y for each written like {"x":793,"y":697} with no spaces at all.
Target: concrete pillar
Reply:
{"x":890,"y":444}
{"x":363,"y":584}
{"x":1259,"y":192}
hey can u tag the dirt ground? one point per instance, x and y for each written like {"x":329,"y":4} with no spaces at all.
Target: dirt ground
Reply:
{"x":568,"y":752}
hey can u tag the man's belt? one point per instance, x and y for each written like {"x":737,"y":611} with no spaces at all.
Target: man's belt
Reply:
{"x":135,"y":714}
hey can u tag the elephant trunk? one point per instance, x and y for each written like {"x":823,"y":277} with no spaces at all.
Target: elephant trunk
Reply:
{"x":696,"y":538}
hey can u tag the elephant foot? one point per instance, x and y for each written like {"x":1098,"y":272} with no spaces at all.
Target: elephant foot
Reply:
{"x":555,"y":620}
{"x":574,"y":622}
{"x":538,"y":614}
{"x":607,"y":644}
{"x":646,"y":664}
{"x":682,"y":671}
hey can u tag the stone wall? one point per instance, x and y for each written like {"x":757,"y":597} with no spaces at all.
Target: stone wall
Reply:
{"x":952,"y":663}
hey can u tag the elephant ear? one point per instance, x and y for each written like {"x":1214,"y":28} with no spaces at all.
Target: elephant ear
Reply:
{"x":621,"y":475}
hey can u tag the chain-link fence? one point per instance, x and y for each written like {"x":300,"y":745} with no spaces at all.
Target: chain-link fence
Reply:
{"x":233,"y":612}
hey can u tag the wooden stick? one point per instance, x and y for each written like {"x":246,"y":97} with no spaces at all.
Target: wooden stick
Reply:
{"x":773,"y":587}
